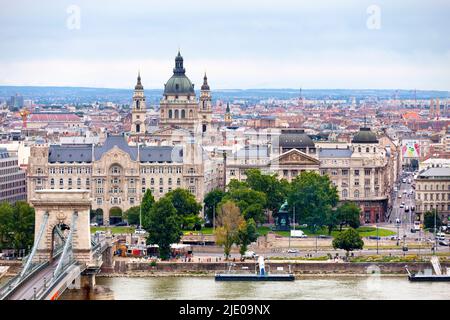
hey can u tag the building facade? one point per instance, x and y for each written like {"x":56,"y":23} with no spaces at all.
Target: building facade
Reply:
{"x":12,"y":179}
{"x":116,"y":174}
{"x":433,"y":192}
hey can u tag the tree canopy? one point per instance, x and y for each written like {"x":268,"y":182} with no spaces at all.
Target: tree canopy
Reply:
{"x":348,"y":213}
{"x":314,"y":197}
{"x":186,"y":206}
{"x":229,"y":219}
{"x":211,"y":200}
{"x":348,"y":240}
{"x":163,"y":226}
{"x":428,"y":219}
{"x":16,"y":226}
{"x":146,"y":205}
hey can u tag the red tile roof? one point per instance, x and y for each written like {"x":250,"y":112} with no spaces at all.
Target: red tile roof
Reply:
{"x":54,"y":117}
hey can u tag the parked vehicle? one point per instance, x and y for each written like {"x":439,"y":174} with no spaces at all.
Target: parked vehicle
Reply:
{"x":406,"y":208}
{"x":94,"y":224}
{"x":404,"y":180}
{"x":298,"y":234}
{"x":249,"y":255}
{"x":140,"y":231}
{"x":292,"y":251}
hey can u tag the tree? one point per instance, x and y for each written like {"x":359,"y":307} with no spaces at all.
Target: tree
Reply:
{"x":212,"y":199}
{"x":229,"y":219}
{"x":16,"y":225}
{"x":132,"y":215}
{"x":186,"y":206}
{"x":428,"y":220}
{"x":348,"y":240}
{"x":275,"y":190}
{"x":236,"y":184}
{"x":6,"y":219}
{"x":146,"y":205}
{"x":348,"y":214}
{"x":163,"y":226}
{"x":246,"y":234}
{"x":250,"y":202}
{"x":314,"y":197}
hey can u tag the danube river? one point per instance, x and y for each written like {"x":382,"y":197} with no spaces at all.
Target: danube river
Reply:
{"x":342,"y":287}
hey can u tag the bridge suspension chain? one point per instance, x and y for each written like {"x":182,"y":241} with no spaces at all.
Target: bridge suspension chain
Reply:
{"x":67,"y":251}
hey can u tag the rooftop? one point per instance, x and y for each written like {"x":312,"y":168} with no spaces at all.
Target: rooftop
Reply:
{"x":435,"y":173}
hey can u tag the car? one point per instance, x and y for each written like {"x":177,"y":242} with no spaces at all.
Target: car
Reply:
{"x":395,"y":189}
{"x":406,"y":208}
{"x":292,"y":251}
{"x":249,"y":255}
{"x":399,"y":195}
{"x":401,"y":206}
{"x":374,"y":238}
{"x":94,"y":224}
{"x":322,"y":236}
{"x":397,"y":221}
{"x":140,"y":231}
{"x":121,"y":224}
{"x":443,"y":243}
{"x":404,"y":180}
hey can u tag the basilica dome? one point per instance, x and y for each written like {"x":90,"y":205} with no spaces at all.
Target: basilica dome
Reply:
{"x":179,"y":83}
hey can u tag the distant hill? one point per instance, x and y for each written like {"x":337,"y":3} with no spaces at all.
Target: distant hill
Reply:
{"x":79,"y":95}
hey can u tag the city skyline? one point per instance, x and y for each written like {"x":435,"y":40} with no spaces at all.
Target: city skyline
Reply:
{"x":239,"y":45}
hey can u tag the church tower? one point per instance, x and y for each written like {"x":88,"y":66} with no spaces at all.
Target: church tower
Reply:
{"x":205,"y":110}
{"x":228,"y":119}
{"x":138,"y":109}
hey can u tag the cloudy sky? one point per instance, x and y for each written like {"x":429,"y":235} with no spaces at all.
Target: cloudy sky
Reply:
{"x":240,"y":44}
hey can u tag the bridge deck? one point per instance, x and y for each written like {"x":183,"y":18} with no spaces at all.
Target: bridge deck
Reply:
{"x":26,"y":289}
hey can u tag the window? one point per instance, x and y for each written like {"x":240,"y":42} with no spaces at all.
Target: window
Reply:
{"x":152,"y":181}
{"x":161,"y":181}
{"x":344,"y":193}
{"x":366,"y":182}
{"x":61,"y":182}
{"x":183,"y":114}
{"x":356,"y":193}
{"x":131,"y":201}
{"x":161,"y":189}
{"x":88,"y":183}
{"x":344,"y":172}
{"x":170,"y":181}
{"x":143,"y":181}
{"x":115,"y":170}
{"x":170,"y":114}
{"x":79,"y":182}
{"x":367,"y":150}
{"x":356,"y":172}
{"x":367,"y":172}
{"x":356,"y":182}
{"x":178,"y":182}
{"x":366,"y":192}
{"x":99,"y":201}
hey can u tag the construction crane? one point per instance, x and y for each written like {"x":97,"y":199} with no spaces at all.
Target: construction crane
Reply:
{"x":24,"y":115}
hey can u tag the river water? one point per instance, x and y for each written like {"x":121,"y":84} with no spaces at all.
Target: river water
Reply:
{"x":342,"y":287}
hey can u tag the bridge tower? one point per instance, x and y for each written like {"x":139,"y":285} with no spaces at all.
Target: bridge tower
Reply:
{"x":59,"y":207}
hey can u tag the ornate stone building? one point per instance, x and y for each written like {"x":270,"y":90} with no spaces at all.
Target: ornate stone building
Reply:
{"x":117,"y":174}
{"x":138,"y":109}
{"x":179,"y":107}
{"x":360,"y":170}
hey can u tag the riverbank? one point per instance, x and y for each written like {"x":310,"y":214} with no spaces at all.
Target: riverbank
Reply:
{"x":300,"y":268}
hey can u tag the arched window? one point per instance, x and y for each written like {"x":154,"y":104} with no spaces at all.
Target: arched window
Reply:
{"x":183,"y":114}
{"x":170,"y":181}
{"x":356,"y":193}
{"x":137,"y":104}
{"x":170,"y":114}
{"x":178,"y":181}
{"x":52,"y":182}
{"x":152,"y":181}
{"x":191,"y":114}
{"x":69,"y":181}
{"x":176,"y":114}
{"x":344,"y":193}
{"x":359,"y":149}
{"x":161,"y":181}
{"x":367,"y":150}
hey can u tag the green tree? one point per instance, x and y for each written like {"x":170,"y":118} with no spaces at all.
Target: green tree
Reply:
{"x":212,"y":199}
{"x":186,"y":206}
{"x":132,"y":215}
{"x":22,"y":226}
{"x":247,"y":233}
{"x":146,"y":205}
{"x":236,"y":184}
{"x":250,"y":202}
{"x":348,"y":240}
{"x":6,"y":224}
{"x":428,"y":220}
{"x":163,"y":226}
{"x":275,"y":190}
{"x":348,"y":213}
{"x":314,"y":197}
{"x":229,"y":219}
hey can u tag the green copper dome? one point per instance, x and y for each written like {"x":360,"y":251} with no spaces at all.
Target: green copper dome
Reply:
{"x":179,"y":84}
{"x":365,"y":136}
